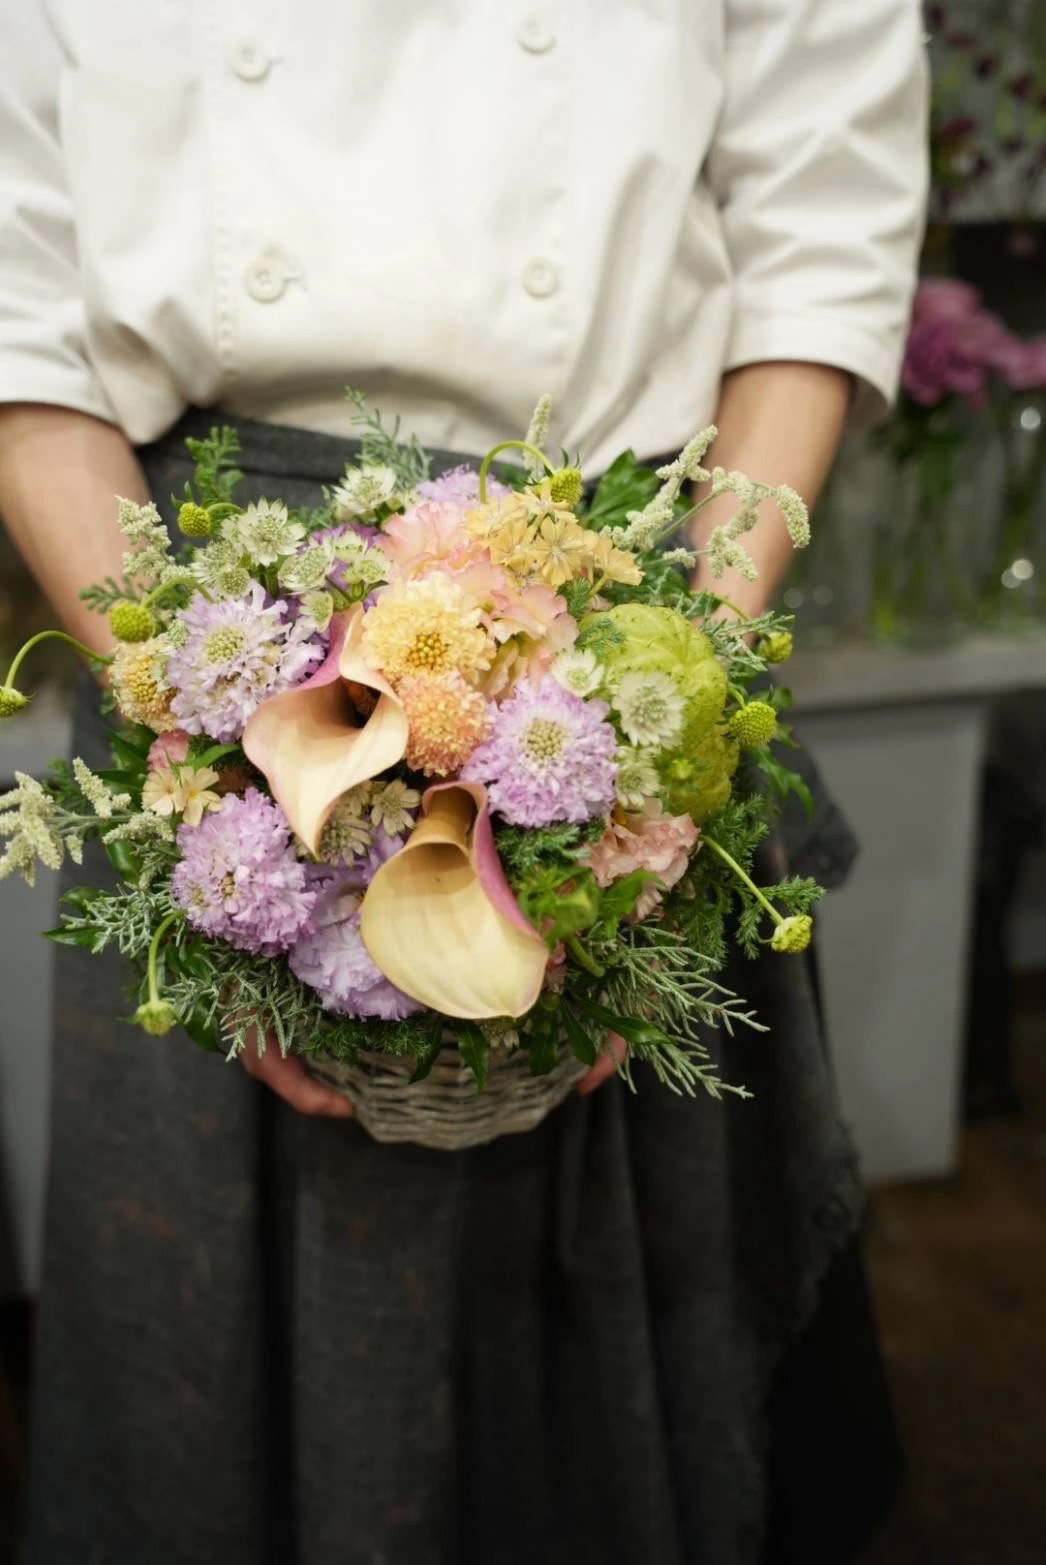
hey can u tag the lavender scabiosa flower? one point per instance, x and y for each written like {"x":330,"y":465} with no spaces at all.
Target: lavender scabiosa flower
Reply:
{"x":239,"y":879}
{"x":550,"y":757}
{"x":332,"y":959}
{"x":234,"y":654}
{"x":460,"y":486}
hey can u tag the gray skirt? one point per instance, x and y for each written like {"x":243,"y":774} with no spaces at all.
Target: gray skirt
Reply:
{"x":265,"y":1338}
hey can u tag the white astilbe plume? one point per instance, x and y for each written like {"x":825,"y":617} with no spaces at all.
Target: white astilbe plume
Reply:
{"x":97,"y":793}
{"x":536,"y":435}
{"x":149,"y":559}
{"x":723,"y":552}
{"x":646,"y":527}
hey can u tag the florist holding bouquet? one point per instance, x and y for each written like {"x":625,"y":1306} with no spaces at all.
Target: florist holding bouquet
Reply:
{"x":637,"y":1333}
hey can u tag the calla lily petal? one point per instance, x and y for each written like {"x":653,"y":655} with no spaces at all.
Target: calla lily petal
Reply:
{"x":440,"y":920}
{"x":312,"y":743}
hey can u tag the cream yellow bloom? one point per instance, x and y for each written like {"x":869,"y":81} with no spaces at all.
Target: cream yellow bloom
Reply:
{"x":183,"y":790}
{"x":426,"y":626}
{"x":162,"y":792}
{"x":138,"y":678}
{"x":197,"y":793}
{"x":561,"y":550}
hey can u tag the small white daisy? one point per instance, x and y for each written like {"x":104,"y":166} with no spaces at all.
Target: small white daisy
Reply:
{"x":362,"y":491}
{"x":637,"y":779}
{"x":392,"y":806}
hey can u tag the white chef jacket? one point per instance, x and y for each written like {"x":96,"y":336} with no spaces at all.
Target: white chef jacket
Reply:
{"x":455,"y":205}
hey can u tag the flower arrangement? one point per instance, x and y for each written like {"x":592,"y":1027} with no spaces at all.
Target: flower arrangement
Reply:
{"x":462,"y":756}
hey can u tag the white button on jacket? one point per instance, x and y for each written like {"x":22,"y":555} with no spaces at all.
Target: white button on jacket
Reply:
{"x":685,"y":187}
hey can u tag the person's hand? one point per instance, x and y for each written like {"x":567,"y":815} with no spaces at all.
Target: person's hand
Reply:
{"x":289,"y":1079}
{"x":605,"y":1067}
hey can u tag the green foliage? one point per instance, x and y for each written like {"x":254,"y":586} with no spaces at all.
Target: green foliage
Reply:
{"x":215,"y":474}
{"x":625,"y":486}
{"x":474,"y":1050}
{"x":383,"y":447}
{"x":524,"y":849}
{"x":103,"y":595}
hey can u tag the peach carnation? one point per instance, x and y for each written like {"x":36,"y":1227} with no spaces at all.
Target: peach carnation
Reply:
{"x":650,"y":840}
{"x":427,"y":537}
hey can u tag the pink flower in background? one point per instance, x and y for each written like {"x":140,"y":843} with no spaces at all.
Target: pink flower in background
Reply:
{"x":955,"y":346}
{"x":461,"y":486}
{"x":169,"y":749}
{"x":1026,"y":370}
{"x":650,"y":840}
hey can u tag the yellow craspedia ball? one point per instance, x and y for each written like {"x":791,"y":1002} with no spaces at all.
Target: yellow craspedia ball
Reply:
{"x":155,"y":1017}
{"x":194,"y":520}
{"x":754,"y":725}
{"x":11,"y":701}
{"x":793,"y":934}
{"x":566,"y":486}
{"x":131,"y":621}
{"x":777,"y":647}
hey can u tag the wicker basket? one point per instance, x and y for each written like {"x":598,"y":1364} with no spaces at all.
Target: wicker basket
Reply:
{"x":445,"y":1110}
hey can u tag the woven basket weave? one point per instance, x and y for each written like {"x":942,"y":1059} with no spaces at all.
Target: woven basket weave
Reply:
{"x":445,"y":1110}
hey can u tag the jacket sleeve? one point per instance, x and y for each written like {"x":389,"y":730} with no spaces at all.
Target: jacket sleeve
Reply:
{"x":43,"y":350}
{"x":820,"y":169}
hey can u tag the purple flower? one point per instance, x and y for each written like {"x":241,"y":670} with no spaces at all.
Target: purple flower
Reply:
{"x":236,"y":653}
{"x":239,"y":880}
{"x":953,"y":344}
{"x":460,"y":486}
{"x":332,"y":959}
{"x":549,"y":757}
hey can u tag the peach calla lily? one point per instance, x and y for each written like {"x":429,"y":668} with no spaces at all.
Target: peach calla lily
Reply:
{"x":313,"y":743}
{"x":440,"y":920}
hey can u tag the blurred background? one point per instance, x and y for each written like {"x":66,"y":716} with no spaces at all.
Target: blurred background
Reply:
{"x":920,"y":684}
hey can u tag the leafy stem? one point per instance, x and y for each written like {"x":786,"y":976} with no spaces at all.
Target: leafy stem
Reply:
{"x":56,"y":635}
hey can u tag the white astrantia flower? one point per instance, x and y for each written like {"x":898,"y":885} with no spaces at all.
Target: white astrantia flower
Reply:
{"x":363,"y":490}
{"x":578,"y":672}
{"x":650,"y":709}
{"x":308,"y":569}
{"x":266,"y":533}
{"x":317,"y":608}
{"x":392,"y":806}
{"x":348,"y":833}
{"x":637,"y":779}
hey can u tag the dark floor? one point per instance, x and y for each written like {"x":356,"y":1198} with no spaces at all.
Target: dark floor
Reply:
{"x":959,"y":1274}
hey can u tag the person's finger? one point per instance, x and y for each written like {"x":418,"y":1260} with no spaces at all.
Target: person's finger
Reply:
{"x":605,"y":1067}
{"x":289,"y":1079}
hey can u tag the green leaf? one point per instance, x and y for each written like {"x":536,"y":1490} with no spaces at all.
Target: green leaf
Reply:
{"x":124,"y":859}
{"x":474,"y":1050}
{"x":782,"y":779}
{"x":428,"y":1053}
{"x":581,"y":1044}
{"x":544,"y":1050}
{"x":87,"y":938}
{"x":128,"y":752}
{"x":632,"y":1028}
{"x":625,"y":486}
{"x":618,"y":900}
{"x":203,"y":1033}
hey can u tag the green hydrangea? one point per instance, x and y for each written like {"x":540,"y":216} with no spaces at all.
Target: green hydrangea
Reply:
{"x":698,"y":778}
{"x":644,"y":638}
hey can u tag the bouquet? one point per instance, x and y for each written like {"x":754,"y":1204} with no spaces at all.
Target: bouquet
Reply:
{"x":456,"y":766}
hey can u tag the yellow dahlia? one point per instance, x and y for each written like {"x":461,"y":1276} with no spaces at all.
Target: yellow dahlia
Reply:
{"x":447,"y":721}
{"x":426,"y":626}
{"x":139,"y":681}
